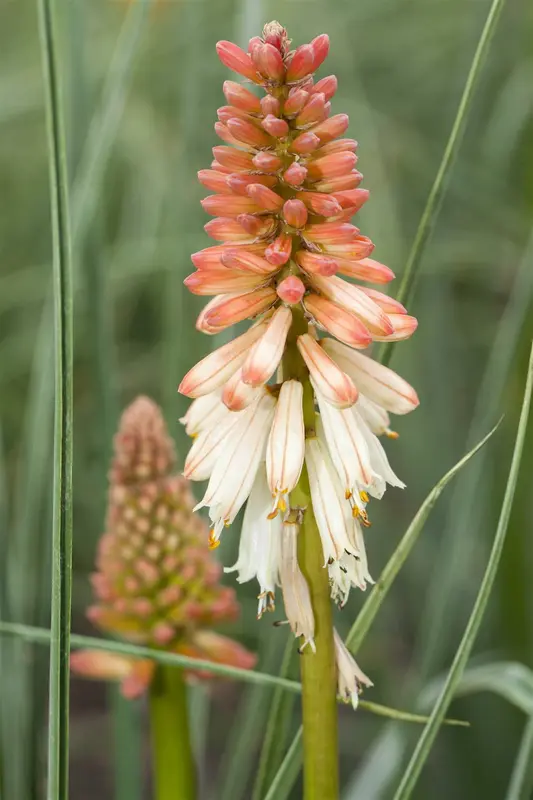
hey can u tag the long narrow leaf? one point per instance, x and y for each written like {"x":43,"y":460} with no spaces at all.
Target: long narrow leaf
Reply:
{"x":522,"y":776}
{"x":434,"y":201}
{"x":427,"y":738}
{"x":62,"y":511}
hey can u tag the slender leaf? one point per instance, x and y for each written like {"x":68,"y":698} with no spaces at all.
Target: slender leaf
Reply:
{"x":427,"y":738}
{"x":287,"y":774}
{"x":521,"y":782}
{"x":435,"y":197}
{"x":63,"y":361}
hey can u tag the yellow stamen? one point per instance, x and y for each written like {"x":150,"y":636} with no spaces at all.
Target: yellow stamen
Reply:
{"x":364,"y":497}
{"x":365,"y":518}
{"x":347,"y":494}
{"x":213,"y":543}
{"x":392,"y":434}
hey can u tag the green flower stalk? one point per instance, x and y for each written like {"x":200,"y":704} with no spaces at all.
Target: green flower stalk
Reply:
{"x":286,"y":417}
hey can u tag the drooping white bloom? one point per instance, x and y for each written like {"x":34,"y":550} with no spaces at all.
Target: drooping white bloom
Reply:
{"x":375,"y":416}
{"x":264,"y":357}
{"x":349,"y":571}
{"x":235,"y":469}
{"x":329,"y":379}
{"x":209,"y":444}
{"x":204,"y":412}
{"x":296,"y":597}
{"x":381,"y":468}
{"x":237,"y":395}
{"x":260,"y":544}
{"x":332,"y":511}
{"x":350,"y":677}
{"x":286,"y":444}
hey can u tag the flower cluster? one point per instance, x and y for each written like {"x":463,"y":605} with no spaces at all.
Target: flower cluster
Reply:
{"x":156,"y":582}
{"x":285,"y":189}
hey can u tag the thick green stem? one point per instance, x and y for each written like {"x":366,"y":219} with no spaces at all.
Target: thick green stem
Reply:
{"x":174,"y":772}
{"x":319,"y":680}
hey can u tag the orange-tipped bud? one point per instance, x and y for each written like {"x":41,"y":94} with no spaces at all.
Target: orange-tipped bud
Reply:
{"x":236,"y":59}
{"x":353,"y":199}
{"x":256,"y":226}
{"x":295,"y":213}
{"x":238,"y":182}
{"x":344,"y":183}
{"x":327,"y":86}
{"x":215,"y":181}
{"x":225,"y":113}
{"x":243,"y":259}
{"x":265,"y":356}
{"x":237,"y":395}
{"x":248,"y":133}
{"x":243,"y":306}
{"x":295,"y":102}
{"x":236,"y":160}
{"x":220,"y":281}
{"x":291,"y":290}
{"x":224,"y":133}
{"x":279,"y":251}
{"x":326,"y":205}
{"x":338,"y":146}
{"x":301,"y":63}
{"x":304,"y":143}
{"x":268,"y":61}
{"x":356,"y":249}
{"x":217,"y":204}
{"x":313,"y":111}
{"x":332,"y":127}
{"x":332,"y":166}
{"x":316,"y":263}
{"x":388,"y":304}
{"x":332,"y":383}
{"x":270,"y":105}
{"x":335,"y":319}
{"x":264,"y":197}
{"x":240,"y":97}
{"x":295,"y":175}
{"x":267,"y":162}
{"x":404,"y":327}
{"x":366,"y":269}
{"x":331,"y":233}
{"x":275,"y":127}
{"x":210,"y":257}
{"x":225,"y":229}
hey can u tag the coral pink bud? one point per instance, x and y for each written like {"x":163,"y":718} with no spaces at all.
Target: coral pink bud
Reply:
{"x":243,"y":259}
{"x":404,"y":327}
{"x":275,"y":127}
{"x":353,"y":299}
{"x":224,"y":133}
{"x":216,"y":181}
{"x":265,"y":356}
{"x":219,"y":167}
{"x":331,"y":233}
{"x":226,"y":229}
{"x":316,"y":263}
{"x":210,"y":257}
{"x":201,"y":324}
{"x":360,"y":247}
{"x":295,"y":102}
{"x":295,"y":213}
{"x":236,"y":394}
{"x":279,"y":251}
{"x":338,"y":146}
{"x":224,"y":113}
{"x":353,"y":199}
{"x":325,"y":205}
{"x":313,"y":111}
{"x":295,"y":175}
{"x":336,"y":320}
{"x":320,"y":46}
{"x":236,"y":59}
{"x":332,"y":383}
{"x":267,"y":162}
{"x":255,"y":226}
{"x":388,"y":304}
{"x":268,"y":61}
{"x":254,"y":41}
{"x":366,"y":269}
{"x":240,"y":97}
{"x":220,"y":281}
{"x":332,"y":128}
{"x":264,"y":197}
{"x":304,"y":143}
{"x":236,"y":309}
{"x":163,"y":633}
{"x":219,"y":649}
{"x":236,"y":160}
{"x":215,"y":369}
{"x":248,"y":133}
{"x":291,"y":290}
{"x":238,"y":181}
{"x":327,"y":86}
{"x":332,"y":166}
{"x":270,"y":105}
{"x":217,"y":204}
{"x":344,"y":183}
{"x":301,"y":63}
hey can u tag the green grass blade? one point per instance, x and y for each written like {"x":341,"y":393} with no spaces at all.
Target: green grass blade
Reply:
{"x":287,"y":774}
{"x":436,"y":194}
{"x":427,"y":738}
{"x":521,"y":782}
{"x":372,"y":605}
{"x":62,"y":513}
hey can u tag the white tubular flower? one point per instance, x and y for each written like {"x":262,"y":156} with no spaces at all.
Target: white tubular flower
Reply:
{"x":234,"y":472}
{"x":237,"y":394}
{"x":349,"y":571}
{"x":264,"y":357}
{"x":332,"y":512}
{"x":296,"y":597}
{"x":350,"y":677}
{"x":335,"y":385}
{"x":209,"y":445}
{"x":202,"y":413}
{"x":381,"y":468}
{"x":378,"y":383}
{"x":260,"y":545}
{"x":347,"y":447}
{"x":376,"y":417}
{"x":286,"y":445}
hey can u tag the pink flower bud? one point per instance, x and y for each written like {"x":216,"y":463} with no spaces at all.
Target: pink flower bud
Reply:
{"x":240,"y":97}
{"x":265,"y":356}
{"x":295,"y":175}
{"x":256,"y":226}
{"x":327,"y":86}
{"x":268,"y":61}
{"x":341,"y":184}
{"x":331,"y":128}
{"x":236,"y":160}
{"x":360,"y":247}
{"x":352,"y":199}
{"x":238,"y":182}
{"x":247,"y":133}
{"x":326,"y":205}
{"x":243,"y":259}
{"x":301,"y":63}
{"x":404,"y":326}
{"x":338,"y":146}
{"x":225,"y":229}
{"x":264,"y":197}
{"x":313,"y":111}
{"x":291,"y":290}
{"x":320,"y":46}
{"x":275,"y":127}
{"x":305,"y":143}
{"x":219,"y":168}
{"x":236,"y":394}
{"x":243,"y":306}
{"x":295,"y":213}
{"x":215,"y":181}
{"x":332,"y":166}
{"x":236,"y":59}
{"x":353,"y":299}
{"x":270,"y":105}
{"x":224,"y":133}
{"x":220,"y":281}
{"x":254,"y":41}
{"x":267,"y":162}
{"x":332,"y":383}
{"x":279,"y":251}
{"x":295,"y":102}
{"x":210,"y":257}
{"x":316,"y":263}
{"x":217,"y":204}
{"x":342,"y":324}
{"x":331,"y":233}
{"x":224,"y":113}
{"x":365,"y":269}
{"x":384,"y":301}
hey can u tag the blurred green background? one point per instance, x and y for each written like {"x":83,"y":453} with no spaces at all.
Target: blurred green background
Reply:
{"x":142,"y":89}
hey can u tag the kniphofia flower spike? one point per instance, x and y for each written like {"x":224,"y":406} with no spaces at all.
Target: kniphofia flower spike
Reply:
{"x":285,"y":190}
